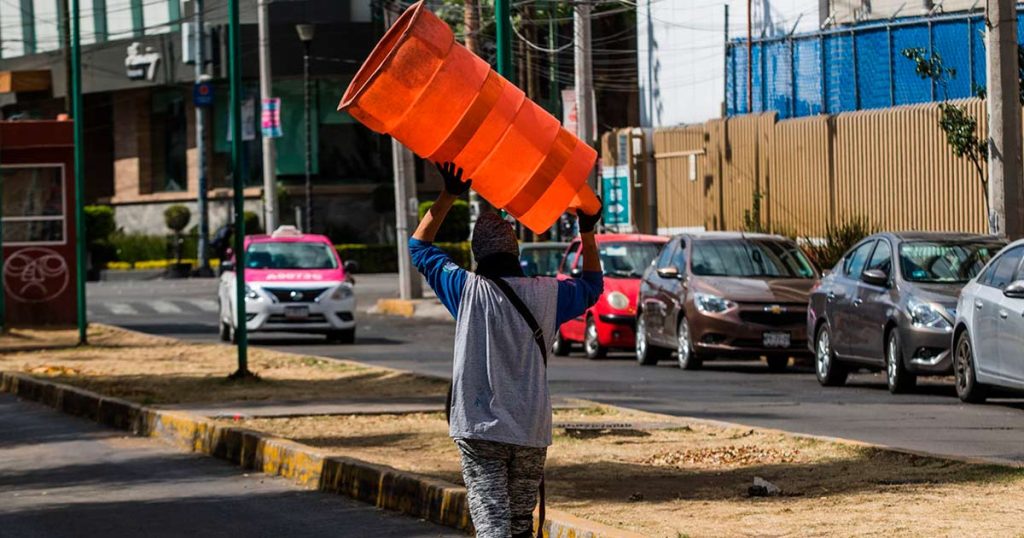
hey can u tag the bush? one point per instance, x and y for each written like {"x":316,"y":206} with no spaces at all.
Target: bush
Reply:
{"x":252,"y":223}
{"x":136,"y":247}
{"x":99,"y":226}
{"x":384,"y":258}
{"x":827,"y":252}
{"x":456,"y":224}
{"x":177,"y":217}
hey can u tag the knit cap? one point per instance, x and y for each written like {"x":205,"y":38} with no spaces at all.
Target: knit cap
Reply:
{"x":493,"y":235}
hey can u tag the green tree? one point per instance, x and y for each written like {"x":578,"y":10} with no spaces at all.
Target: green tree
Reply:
{"x":177,"y":218}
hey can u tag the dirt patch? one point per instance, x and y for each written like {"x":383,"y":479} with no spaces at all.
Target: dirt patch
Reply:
{"x":154,"y":370}
{"x":693,"y":480}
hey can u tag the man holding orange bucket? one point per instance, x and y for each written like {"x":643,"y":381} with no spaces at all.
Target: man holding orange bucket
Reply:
{"x":499,"y":408}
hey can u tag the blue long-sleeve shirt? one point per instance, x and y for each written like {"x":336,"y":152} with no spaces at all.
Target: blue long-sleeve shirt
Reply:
{"x":448,"y":280}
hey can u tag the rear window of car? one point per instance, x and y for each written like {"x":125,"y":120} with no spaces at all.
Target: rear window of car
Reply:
{"x":541,"y":261}
{"x":942,"y":262}
{"x":290,"y":255}
{"x":749,"y":258}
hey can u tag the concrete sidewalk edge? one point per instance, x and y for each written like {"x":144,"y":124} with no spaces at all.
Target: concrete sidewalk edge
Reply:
{"x":427,"y":498}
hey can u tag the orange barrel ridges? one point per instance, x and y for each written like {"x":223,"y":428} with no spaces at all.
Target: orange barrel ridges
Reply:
{"x":446,"y":104}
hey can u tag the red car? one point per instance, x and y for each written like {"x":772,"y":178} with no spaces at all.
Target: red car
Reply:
{"x":611,"y":321}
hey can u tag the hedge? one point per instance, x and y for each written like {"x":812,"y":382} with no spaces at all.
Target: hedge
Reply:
{"x":384,"y":258}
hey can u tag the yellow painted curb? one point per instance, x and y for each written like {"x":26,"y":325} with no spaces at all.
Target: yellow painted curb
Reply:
{"x":385,"y":487}
{"x":396,"y":307}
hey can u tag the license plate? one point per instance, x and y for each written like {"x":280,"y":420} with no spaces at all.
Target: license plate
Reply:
{"x":296,"y":312}
{"x":776,"y":339}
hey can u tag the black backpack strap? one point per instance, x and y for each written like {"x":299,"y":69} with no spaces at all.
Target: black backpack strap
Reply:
{"x":520,"y":306}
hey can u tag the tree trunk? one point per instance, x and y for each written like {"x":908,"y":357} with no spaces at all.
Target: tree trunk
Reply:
{"x":471,"y":25}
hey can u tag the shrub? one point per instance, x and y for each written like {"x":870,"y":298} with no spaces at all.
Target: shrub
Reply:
{"x":177,"y":217}
{"x":456,"y":224}
{"x":99,"y":226}
{"x":252,"y":223}
{"x":384,"y":258}
{"x":839,"y":239}
{"x":132,"y":248}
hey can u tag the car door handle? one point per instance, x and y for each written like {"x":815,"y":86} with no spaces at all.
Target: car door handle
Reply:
{"x":858,"y":302}
{"x":831,"y":296}
{"x":979,"y":305}
{"x":1004,"y":314}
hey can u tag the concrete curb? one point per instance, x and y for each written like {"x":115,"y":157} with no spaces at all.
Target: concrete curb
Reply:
{"x":415,"y":308}
{"x":396,"y":307}
{"x":426,"y":498}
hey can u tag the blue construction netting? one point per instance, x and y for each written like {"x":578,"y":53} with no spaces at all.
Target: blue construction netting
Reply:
{"x":857,"y":67}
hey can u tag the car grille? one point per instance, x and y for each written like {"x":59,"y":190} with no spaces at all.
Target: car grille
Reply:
{"x":789,"y":317}
{"x":312,"y":318}
{"x":284,"y":295}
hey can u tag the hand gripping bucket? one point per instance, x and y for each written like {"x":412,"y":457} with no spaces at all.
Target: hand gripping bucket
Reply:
{"x":446,"y":104}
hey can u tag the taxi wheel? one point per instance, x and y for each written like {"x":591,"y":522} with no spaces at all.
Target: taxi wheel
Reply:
{"x":344,"y":336}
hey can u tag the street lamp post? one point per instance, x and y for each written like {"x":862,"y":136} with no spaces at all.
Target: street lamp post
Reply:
{"x":306,"y":32}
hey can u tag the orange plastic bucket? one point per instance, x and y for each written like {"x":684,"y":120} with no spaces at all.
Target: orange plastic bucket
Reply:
{"x":446,"y":104}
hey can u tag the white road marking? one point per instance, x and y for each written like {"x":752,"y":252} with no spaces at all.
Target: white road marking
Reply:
{"x":121,"y":309}
{"x":165,"y":307}
{"x":208,"y":305}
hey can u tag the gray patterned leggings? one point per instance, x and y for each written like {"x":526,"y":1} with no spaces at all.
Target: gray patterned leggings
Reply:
{"x":502,"y":481}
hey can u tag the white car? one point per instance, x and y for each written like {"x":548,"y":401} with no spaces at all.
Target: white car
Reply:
{"x":294,"y":282}
{"x":988,"y":340}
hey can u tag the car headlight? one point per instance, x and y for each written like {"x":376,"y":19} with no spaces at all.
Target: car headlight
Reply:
{"x":617,"y":300}
{"x":251,"y":294}
{"x":712,"y":304}
{"x":342,"y":292}
{"x":927,"y":315}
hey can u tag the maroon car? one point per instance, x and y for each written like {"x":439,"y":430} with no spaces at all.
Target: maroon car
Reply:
{"x":725,"y":294}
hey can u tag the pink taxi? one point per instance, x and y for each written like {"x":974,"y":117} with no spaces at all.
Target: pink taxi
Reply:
{"x":294,"y":282}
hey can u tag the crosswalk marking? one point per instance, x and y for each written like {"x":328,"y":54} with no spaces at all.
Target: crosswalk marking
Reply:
{"x":208,"y":305}
{"x":165,"y":307}
{"x":122,"y":309}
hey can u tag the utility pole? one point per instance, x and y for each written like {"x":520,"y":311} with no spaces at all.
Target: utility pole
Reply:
{"x":553,"y":87}
{"x":725,"y":66}
{"x":75,"y":88}
{"x":750,"y":57}
{"x":585,"y":120}
{"x":202,"y":204}
{"x":471,"y":26}
{"x":1004,"y":124}
{"x":503,"y":31}
{"x":238,"y":186}
{"x":269,"y":149}
{"x":306,"y":33}
{"x":65,"y":36}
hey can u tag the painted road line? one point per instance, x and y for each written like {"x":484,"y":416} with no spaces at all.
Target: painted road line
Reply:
{"x":206,"y":305}
{"x":121,"y":309}
{"x":165,"y":307}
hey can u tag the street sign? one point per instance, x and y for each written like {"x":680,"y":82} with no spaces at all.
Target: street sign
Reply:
{"x":615,"y":186}
{"x":202,"y":94}
{"x":270,"y":117}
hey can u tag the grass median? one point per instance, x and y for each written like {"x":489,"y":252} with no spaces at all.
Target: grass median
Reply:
{"x":155,"y":370}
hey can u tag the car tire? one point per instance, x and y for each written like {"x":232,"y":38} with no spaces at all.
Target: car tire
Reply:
{"x":343,"y":336}
{"x":646,"y":353}
{"x":778,"y":363}
{"x":829,"y":371}
{"x":967,"y":386}
{"x":591,"y":345}
{"x":687,"y":357}
{"x":898,"y":379}
{"x":560,"y":347}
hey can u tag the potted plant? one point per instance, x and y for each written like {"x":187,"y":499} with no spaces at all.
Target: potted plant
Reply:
{"x":177,"y":218}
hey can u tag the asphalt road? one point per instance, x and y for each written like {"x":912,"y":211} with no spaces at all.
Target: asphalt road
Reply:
{"x":64,"y":477}
{"x":932,"y":419}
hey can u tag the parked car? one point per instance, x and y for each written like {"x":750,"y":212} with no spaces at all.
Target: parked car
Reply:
{"x":294,"y":282}
{"x":890,"y":304}
{"x":725,"y":294}
{"x":988,"y":339}
{"x":609,"y":323}
{"x":541,"y":259}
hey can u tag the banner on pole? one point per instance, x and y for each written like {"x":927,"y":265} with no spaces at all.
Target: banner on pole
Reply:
{"x":270,"y":118}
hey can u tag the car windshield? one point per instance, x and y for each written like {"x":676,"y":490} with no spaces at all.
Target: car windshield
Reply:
{"x":940,"y":262}
{"x":750,"y":258}
{"x":541,"y":261}
{"x":627,"y":260}
{"x":290,"y":255}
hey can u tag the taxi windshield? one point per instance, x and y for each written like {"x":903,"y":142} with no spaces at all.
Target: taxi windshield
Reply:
{"x":290,"y":255}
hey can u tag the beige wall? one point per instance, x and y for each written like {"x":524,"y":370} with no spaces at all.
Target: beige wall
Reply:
{"x":849,"y":11}
{"x":892,"y":166}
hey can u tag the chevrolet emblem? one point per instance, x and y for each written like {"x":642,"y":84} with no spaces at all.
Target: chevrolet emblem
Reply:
{"x":774,"y":309}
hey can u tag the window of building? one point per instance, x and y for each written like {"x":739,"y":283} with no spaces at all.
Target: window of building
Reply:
{"x":13,"y":41}
{"x":33,"y":204}
{"x":168,"y":131}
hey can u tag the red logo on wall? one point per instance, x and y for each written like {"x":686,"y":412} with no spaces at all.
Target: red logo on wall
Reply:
{"x":35,"y":275}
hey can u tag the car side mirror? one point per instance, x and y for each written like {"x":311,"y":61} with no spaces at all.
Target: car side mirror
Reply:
{"x":351,"y":266}
{"x":1015,"y":290}
{"x":875,"y":277}
{"x":669,"y":272}
{"x":227,"y":265}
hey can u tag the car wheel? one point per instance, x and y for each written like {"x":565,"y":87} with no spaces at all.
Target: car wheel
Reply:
{"x":646,"y":354}
{"x":591,"y":344}
{"x":967,"y":386}
{"x":561,"y":347}
{"x":778,"y":363}
{"x":896,"y":374}
{"x":344,"y":336}
{"x":688,"y":358}
{"x":829,"y":371}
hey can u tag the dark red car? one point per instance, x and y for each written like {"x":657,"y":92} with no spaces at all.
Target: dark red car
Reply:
{"x":609,"y":323}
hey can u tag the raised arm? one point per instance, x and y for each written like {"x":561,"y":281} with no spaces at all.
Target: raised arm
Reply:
{"x":454,"y":187}
{"x":576,"y":295}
